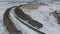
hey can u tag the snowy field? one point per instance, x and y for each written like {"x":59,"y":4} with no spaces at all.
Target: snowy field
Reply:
{"x":3,"y":7}
{"x":49,"y":22}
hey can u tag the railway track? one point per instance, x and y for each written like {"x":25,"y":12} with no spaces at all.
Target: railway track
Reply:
{"x":8,"y":23}
{"x":34,"y":25}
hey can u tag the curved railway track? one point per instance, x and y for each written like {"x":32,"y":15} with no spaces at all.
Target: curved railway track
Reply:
{"x":10,"y":25}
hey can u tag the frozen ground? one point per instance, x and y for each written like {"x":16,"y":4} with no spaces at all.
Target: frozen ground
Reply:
{"x":42,"y":14}
{"x":50,"y":25}
{"x":3,"y":7}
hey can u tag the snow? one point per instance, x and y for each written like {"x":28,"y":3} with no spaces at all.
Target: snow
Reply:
{"x":3,"y":8}
{"x":20,"y":25}
{"x":42,"y":15}
{"x":49,"y":21}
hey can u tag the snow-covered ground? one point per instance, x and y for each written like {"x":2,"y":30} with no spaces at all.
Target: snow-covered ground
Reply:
{"x":20,"y":25}
{"x":49,"y":22}
{"x":3,"y":7}
{"x":42,"y":15}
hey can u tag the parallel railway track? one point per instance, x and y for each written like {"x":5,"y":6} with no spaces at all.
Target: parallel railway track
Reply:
{"x":10,"y":25}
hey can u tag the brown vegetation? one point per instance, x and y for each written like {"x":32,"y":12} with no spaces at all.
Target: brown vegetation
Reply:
{"x":8,"y":23}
